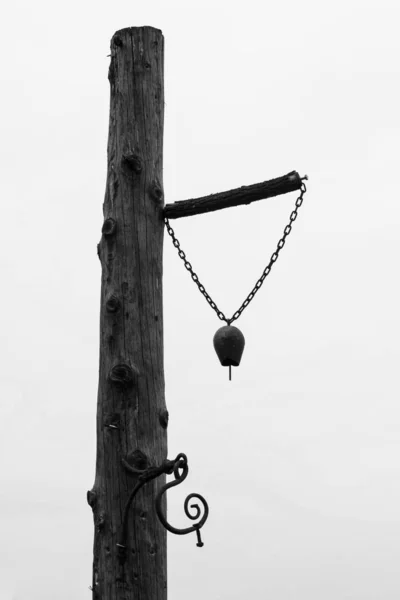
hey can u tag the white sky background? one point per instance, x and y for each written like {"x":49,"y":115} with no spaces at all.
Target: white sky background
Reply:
{"x":298,"y":456}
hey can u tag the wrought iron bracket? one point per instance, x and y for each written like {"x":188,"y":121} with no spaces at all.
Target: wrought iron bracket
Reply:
{"x":180,"y":469}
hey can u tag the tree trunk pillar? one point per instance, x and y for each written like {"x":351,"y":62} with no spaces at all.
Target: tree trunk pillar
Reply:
{"x":131,"y":413}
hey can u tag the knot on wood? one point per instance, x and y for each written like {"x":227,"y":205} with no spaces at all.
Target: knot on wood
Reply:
{"x":91,"y":497}
{"x":109,"y":227}
{"x":156,"y":192}
{"x":123,"y":376}
{"x":117,"y":41}
{"x":133,"y":162}
{"x":112,"y":304}
{"x":163,"y":419}
{"x":138,"y":460}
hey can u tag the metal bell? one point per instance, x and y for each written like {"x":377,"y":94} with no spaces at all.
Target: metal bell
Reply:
{"x":229,"y":344}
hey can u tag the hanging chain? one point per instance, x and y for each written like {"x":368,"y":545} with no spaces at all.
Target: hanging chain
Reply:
{"x":265,"y":273}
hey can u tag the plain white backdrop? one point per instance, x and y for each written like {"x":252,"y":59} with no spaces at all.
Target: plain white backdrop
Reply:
{"x":298,"y":456}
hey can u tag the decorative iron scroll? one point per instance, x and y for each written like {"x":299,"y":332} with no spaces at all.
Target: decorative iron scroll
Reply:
{"x":143,"y":476}
{"x":181,"y":463}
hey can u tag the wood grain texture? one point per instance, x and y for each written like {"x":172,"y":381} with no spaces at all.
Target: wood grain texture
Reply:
{"x":243,"y":195}
{"x":131,"y":403}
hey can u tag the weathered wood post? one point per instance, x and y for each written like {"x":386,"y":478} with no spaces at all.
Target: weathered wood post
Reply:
{"x":131,"y":413}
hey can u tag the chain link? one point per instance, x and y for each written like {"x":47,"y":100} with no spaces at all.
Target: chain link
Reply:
{"x":265,"y":273}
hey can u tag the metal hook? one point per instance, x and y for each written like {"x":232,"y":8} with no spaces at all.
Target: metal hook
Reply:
{"x":181,"y":463}
{"x":144,"y":476}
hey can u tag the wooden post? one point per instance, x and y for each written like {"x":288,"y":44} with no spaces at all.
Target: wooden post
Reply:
{"x":131,"y":413}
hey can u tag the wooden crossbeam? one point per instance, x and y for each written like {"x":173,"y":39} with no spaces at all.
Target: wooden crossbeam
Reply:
{"x":243,"y":195}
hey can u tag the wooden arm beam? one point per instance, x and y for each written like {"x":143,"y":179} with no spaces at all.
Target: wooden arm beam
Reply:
{"x":243,"y":195}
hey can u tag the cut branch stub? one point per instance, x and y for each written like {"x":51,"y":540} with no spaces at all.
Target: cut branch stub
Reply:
{"x":91,"y":497}
{"x":109,"y":227}
{"x":163,"y":418}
